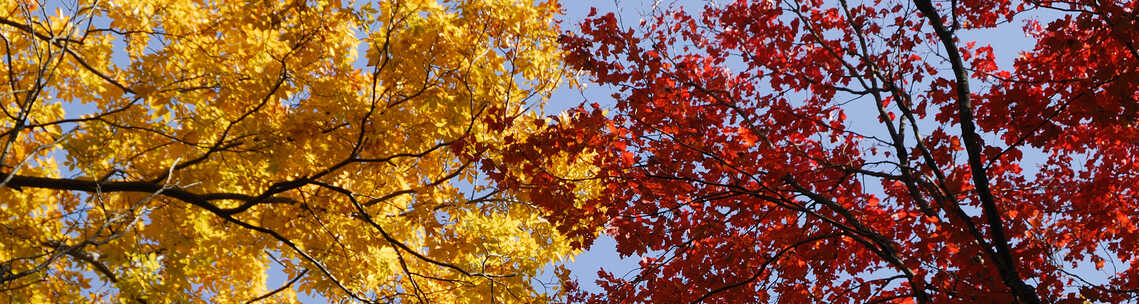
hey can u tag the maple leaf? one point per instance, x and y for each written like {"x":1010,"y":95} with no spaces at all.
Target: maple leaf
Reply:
{"x":796,"y":217}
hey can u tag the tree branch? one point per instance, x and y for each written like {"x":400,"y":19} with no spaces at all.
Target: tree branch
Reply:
{"x":90,"y":186}
{"x":1006,"y":264}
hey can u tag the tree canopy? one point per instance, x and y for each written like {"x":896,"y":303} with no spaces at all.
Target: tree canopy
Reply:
{"x":175,"y":151}
{"x":867,"y":151}
{"x":785,"y":151}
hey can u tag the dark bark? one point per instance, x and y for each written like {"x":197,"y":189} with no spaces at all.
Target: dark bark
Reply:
{"x":1004,"y":261}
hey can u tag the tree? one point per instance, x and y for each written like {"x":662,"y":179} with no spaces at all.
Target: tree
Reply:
{"x":175,"y":151}
{"x":737,"y":165}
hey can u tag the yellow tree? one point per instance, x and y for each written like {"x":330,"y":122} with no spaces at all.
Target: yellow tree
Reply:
{"x":174,"y":150}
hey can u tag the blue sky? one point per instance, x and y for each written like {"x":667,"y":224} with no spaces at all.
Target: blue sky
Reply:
{"x":1008,"y":41}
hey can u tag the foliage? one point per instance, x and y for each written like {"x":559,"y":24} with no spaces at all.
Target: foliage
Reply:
{"x":844,"y":151}
{"x":175,"y":151}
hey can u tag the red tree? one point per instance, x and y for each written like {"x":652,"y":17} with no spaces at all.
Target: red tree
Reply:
{"x":732,"y":165}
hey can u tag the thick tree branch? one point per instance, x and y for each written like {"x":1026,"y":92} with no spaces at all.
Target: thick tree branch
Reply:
{"x":90,"y":186}
{"x":1005,"y":262}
